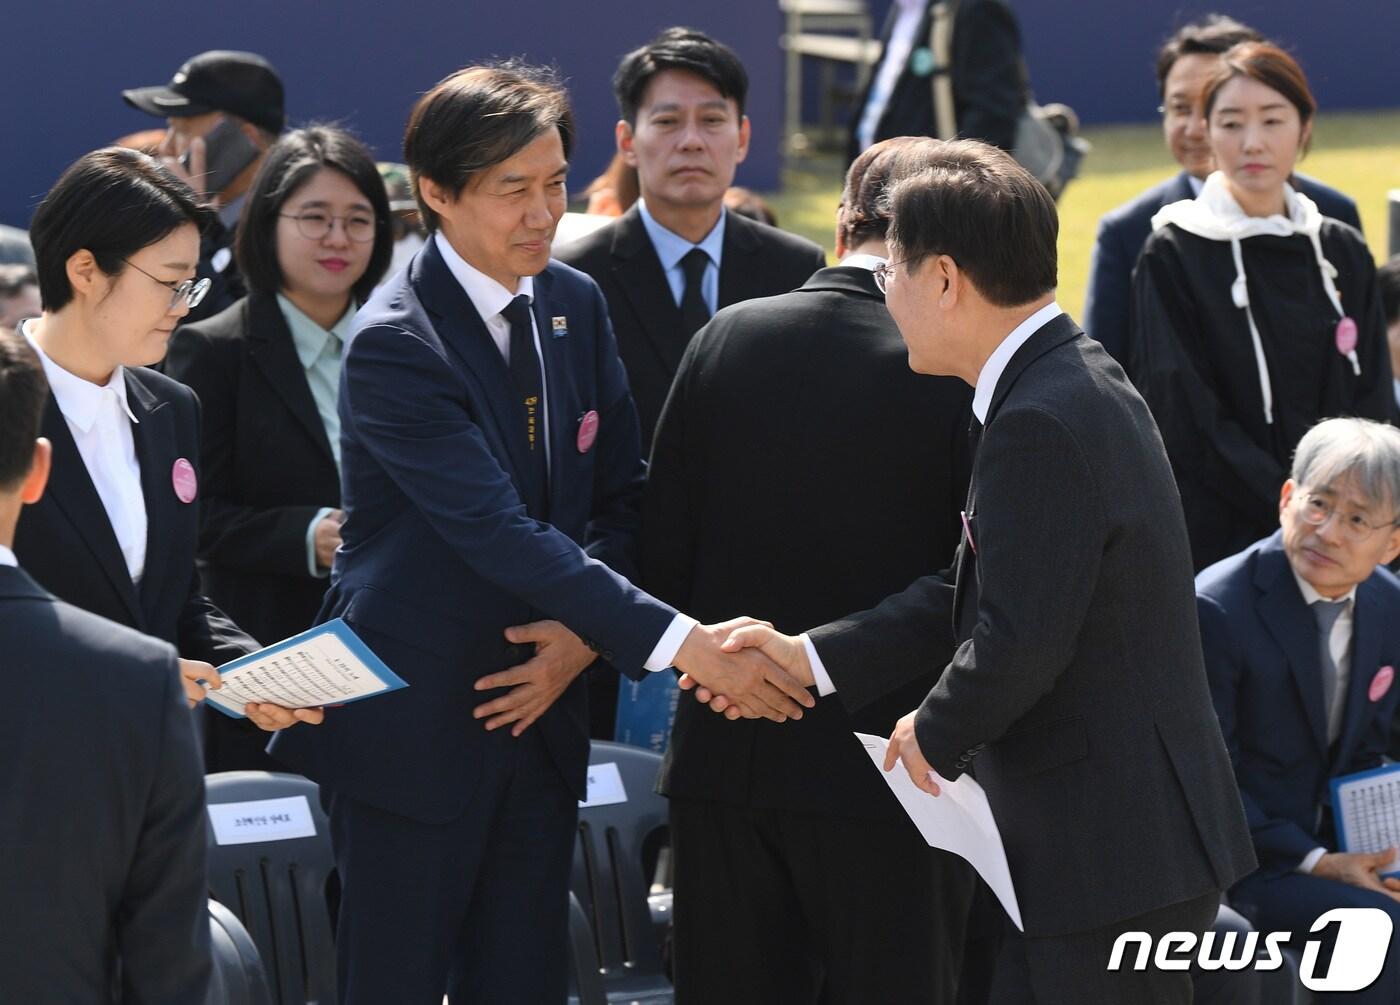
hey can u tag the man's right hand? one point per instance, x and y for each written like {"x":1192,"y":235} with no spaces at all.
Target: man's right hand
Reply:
{"x":1360,"y":869}
{"x":759,"y":687}
{"x":328,"y":537}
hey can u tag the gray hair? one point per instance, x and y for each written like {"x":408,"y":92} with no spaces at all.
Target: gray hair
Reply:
{"x":1336,"y":450}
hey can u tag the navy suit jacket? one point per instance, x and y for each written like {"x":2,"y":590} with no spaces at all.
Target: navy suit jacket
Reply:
{"x":1123,"y":232}
{"x":101,"y":811}
{"x":440,"y":554}
{"x":1265,"y":671}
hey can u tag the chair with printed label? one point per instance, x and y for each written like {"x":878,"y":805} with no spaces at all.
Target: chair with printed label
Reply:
{"x":622,"y":818}
{"x":269,"y":862}
{"x":237,"y":976}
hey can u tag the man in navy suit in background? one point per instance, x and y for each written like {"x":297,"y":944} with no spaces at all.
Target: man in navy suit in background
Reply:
{"x":491,"y":467}
{"x":1301,"y":653}
{"x":101,"y":788}
{"x":1184,"y":63}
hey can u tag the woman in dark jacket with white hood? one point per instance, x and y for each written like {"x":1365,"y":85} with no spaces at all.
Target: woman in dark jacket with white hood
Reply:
{"x":1253,"y":315}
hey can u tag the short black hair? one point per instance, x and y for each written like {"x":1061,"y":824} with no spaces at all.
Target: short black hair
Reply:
{"x":113,"y":202}
{"x":23,"y":392}
{"x":679,"y":49}
{"x":1388,"y":279}
{"x":1212,"y":35}
{"x":289,"y":164}
{"x":976,"y":205}
{"x":478,"y":117}
{"x":864,"y":211}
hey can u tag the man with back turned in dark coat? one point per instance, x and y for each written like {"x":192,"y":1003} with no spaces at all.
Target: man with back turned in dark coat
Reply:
{"x":1077,"y":684}
{"x":792,"y":861}
{"x":101,"y":790}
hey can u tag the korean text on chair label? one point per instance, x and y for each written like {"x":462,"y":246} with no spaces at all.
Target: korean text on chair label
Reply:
{"x":262,"y":820}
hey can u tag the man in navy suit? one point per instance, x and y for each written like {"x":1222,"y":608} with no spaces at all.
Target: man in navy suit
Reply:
{"x":101,"y":790}
{"x":491,"y":465}
{"x":1301,"y":653}
{"x":1184,"y":63}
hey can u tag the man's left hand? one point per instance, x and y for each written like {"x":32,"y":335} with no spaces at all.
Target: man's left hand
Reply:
{"x":560,"y":656}
{"x":904,"y":746}
{"x":274,"y":717}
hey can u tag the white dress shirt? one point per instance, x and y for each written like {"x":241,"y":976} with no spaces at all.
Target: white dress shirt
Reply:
{"x":981,"y":401}
{"x":1339,"y":642}
{"x":857,"y":260}
{"x":7,"y":557}
{"x":100,"y":420}
{"x":892,"y":63}
{"x":490,"y":298}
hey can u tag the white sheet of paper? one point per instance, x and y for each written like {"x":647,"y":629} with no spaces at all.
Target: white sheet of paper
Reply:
{"x":604,"y":785}
{"x":316,"y":670}
{"x":262,"y":820}
{"x":960,"y":821}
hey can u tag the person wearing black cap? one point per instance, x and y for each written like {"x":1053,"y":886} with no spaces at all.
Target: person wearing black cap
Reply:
{"x":224,"y":109}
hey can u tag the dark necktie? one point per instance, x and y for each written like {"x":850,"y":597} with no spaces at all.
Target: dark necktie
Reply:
{"x":694,"y":311}
{"x":1327,"y":614}
{"x":529,"y":391}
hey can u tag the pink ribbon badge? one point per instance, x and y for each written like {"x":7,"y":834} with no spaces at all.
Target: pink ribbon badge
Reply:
{"x":1381,"y":682}
{"x":183,"y":478}
{"x":967,"y":529}
{"x":587,"y":431}
{"x":1346,"y":336}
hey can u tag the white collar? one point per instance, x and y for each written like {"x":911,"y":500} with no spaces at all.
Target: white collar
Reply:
{"x":7,"y":557}
{"x":1001,"y":355}
{"x":1196,"y":184}
{"x":857,"y":260}
{"x":1311,"y":596}
{"x":487,"y":295}
{"x":80,"y":400}
{"x":670,"y":247}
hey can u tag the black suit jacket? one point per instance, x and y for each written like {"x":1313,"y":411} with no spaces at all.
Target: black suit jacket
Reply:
{"x":267,"y":465}
{"x":756,"y":261}
{"x":1077,"y":684}
{"x":66,"y":542}
{"x":101,"y":811}
{"x":1123,"y":232}
{"x":989,"y":79}
{"x":853,"y":469}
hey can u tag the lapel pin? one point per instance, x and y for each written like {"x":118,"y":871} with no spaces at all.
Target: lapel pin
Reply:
{"x":967,"y":529}
{"x":560,"y":325}
{"x":183,"y":478}
{"x":1381,"y":682}
{"x":587,"y":430}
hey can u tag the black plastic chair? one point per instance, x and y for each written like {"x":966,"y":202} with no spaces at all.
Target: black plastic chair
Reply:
{"x":585,"y":978}
{"x":238,"y":977}
{"x":278,"y":889}
{"x":610,"y":881}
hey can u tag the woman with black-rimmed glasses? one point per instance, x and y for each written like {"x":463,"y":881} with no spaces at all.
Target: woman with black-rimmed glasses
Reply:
{"x":115,"y":245}
{"x":314,"y":239}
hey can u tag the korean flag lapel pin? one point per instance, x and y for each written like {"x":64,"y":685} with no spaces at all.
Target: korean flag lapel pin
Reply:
{"x":559,"y":325}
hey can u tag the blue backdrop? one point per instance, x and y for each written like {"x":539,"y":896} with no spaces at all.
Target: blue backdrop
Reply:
{"x":364,"y":61}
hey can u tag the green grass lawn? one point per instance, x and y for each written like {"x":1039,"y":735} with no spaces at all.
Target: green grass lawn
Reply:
{"x":1355,"y":152}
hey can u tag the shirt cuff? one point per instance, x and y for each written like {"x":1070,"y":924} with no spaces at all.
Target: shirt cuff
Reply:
{"x":311,"y":566}
{"x":819,"y":674}
{"x":1310,"y":861}
{"x":664,"y":655}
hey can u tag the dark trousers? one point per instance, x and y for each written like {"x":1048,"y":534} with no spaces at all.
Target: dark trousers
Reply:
{"x":476,"y":908}
{"x":781,"y":908}
{"x":1293,"y":901}
{"x":1073,"y":969}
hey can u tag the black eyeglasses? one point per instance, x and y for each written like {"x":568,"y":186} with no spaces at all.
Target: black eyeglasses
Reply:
{"x":317,"y":226}
{"x":884,"y":275}
{"x":191,"y":291}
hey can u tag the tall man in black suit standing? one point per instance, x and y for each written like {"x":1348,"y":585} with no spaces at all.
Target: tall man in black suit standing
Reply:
{"x":790,"y":865}
{"x":677,"y":255}
{"x":1077,"y":685}
{"x":1184,"y":64}
{"x":101,"y":791}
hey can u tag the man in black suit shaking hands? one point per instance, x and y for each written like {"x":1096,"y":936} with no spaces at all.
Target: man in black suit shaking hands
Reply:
{"x":1077,"y":685}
